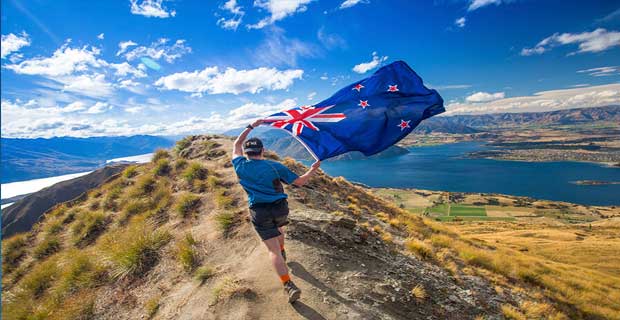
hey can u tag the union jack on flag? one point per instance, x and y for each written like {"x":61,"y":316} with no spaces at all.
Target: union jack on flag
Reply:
{"x":368,"y":116}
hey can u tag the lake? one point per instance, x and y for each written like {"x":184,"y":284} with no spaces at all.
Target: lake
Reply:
{"x":445,"y":167}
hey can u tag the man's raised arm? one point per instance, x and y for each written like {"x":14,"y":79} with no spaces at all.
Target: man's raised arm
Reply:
{"x":303,"y":179}
{"x":238,"y":145}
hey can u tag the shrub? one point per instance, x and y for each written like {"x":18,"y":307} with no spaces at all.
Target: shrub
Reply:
{"x":187,"y":204}
{"x":88,"y":227}
{"x":204,"y":273}
{"x":13,"y":249}
{"x":47,"y":247}
{"x":224,"y":221}
{"x":186,"y":253}
{"x":160,"y":154}
{"x":130,"y":172}
{"x":419,"y":248}
{"x":418,"y":292}
{"x":134,"y":251}
{"x":194,"y":171}
{"x":162,"y":167}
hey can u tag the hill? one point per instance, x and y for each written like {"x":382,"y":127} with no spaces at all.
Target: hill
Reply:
{"x":24,"y":213}
{"x":25,"y":159}
{"x":171,"y":240}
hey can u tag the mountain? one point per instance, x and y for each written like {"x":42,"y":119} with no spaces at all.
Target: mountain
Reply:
{"x":25,"y":159}
{"x":559,"y":117}
{"x":171,"y":239}
{"x":24,"y":213}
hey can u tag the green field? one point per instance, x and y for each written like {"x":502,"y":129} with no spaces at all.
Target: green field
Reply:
{"x":441,"y":209}
{"x":474,"y":218}
{"x":467,"y":211}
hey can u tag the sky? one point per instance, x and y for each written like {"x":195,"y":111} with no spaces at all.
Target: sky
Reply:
{"x":125,"y":67}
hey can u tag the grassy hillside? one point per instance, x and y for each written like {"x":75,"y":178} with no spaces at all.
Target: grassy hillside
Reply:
{"x":171,"y":240}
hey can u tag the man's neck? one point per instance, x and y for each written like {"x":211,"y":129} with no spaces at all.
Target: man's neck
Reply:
{"x":255,"y":158}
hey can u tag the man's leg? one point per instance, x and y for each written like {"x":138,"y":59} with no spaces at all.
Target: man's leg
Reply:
{"x":281,"y":242}
{"x":273,"y":245}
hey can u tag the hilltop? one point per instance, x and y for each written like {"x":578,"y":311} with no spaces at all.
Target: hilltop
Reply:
{"x":171,"y":240}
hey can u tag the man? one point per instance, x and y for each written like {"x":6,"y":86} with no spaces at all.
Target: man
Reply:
{"x":262,"y":180}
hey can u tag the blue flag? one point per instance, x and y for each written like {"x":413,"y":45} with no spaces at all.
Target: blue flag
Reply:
{"x":368,"y":116}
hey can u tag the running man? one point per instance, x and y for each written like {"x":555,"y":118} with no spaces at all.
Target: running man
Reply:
{"x":262,"y":180}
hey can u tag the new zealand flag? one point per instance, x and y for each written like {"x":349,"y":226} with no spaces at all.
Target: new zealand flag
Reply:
{"x":368,"y":116}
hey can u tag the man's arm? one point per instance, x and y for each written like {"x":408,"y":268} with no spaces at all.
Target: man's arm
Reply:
{"x":303,"y":179}
{"x":238,"y":145}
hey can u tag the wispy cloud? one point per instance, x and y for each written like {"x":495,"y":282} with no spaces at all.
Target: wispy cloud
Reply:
{"x":231,"y":23}
{"x":595,"y":41}
{"x":602,"y":71}
{"x":450,"y":86}
{"x":477,"y":4}
{"x":151,"y":9}
{"x":210,"y":80}
{"x":366,"y":66}
{"x":279,"y":50}
{"x":460,"y":22}
{"x":157,"y":50}
{"x":582,"y":97}
{"x":279,"y":9}
{"x":484,"y":97}
{"x":351,"y":3}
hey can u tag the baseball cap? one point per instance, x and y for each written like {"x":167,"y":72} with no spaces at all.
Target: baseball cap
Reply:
{"x":253,"y":145}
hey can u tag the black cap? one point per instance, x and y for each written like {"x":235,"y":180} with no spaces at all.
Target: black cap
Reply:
{"x":253,"y":145}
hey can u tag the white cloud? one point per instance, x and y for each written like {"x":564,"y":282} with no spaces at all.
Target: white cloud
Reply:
{"x":330,"y":41}
{"x":450,"y":86}
{"x":582,"y":97}
{"x":158,"y":50}
{"x":64,"y":61}
{"x":74,"y":107}
{"x":366,"y":66}
{"x":123,"y":46}
{"x":595,"y":41}
{"x":252,"y":111}
{"x":351,"y":3}
{"x":124,"y":69}
{"x":12,"y":43}
{"x":133,"y":110}
{"x":279,"y":9}
{"x":311,"y":95}
{"x":151,"y":8}
{"x":233,"y":22}
{"x":99,"y":107}
{"x":477,"y":4}
{"x":602,"y":71}
{"x":101,"y":36}
{"x":484,"y":97}
{"x":210,"y":80}
{"x":460,"y":22}
{"x":94,"y":85}
{"x":279,"y":50}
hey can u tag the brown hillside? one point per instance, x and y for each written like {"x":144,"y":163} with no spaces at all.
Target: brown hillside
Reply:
{"x":171,"y":240}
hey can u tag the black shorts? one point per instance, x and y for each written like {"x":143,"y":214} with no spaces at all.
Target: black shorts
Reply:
{"x":268,"y":217}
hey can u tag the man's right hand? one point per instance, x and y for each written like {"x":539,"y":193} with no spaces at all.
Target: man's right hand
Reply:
{"x":316,"y":165}
{"x":257,"y":123}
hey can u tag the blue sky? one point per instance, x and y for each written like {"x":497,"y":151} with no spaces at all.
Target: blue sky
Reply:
{"x":122,"y":67}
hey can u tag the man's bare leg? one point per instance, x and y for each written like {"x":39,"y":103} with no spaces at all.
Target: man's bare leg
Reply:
{"x":273,"y":245}
{"x":281,"y":238}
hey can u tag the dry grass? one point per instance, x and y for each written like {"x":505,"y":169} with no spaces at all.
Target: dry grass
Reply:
{"x":186,"y":252}
{"x":130,"y":172}
{"x":160,"y":154}
{"x":418,"y":292}
{"x":162,"y":167}
{"x":13,"y":250}
{"x":87,"y":227}
{"x":223,"y":200}
{"x":224,"y":288}
{"x":48,"y":246}
{"x":187,"y":204}
{"x":194,"y":171}
{"x":203,"y":273}
{"x":419,"y":248}
{"x":512,"y":313}
{"x":225,"y":221}
{"x":152,"y":306}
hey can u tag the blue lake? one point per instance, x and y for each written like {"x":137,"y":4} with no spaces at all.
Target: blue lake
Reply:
{"x":445,"y":167}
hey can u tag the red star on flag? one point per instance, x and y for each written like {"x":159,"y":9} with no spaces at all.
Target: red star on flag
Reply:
{"x":403,"y":124}
{"x":364,"y":104}
{"x":393,"y":88}
{"x":358,"y":87}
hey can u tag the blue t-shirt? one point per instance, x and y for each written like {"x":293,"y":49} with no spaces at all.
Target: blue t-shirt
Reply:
{"x":261,"y":179}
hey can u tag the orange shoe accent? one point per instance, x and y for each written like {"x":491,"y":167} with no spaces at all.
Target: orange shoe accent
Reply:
{"x":281,"y":247}
{"x":285,"y":278}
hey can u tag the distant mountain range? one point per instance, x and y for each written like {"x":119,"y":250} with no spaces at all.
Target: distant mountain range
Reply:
{"x":25,"y":159}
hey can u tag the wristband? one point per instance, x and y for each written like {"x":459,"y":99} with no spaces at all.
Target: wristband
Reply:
{"x":250,"y":127}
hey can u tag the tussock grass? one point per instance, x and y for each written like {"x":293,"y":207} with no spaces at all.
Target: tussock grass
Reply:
{"x":187,"y":204}
{"x":159,"y":155}
{"x":109,"y":201}
{"x":130,"y":172}
{"x":79,"y":306}
{"x":203,"y":273}
{"x":418,"y":292}
{"x":88,"y":226}
{"x":213,"y":182}
{"x":162,"y":167}
{"x":194,"y":171}
{"x":180,"y":164}
{"x":145,"y":184}
{"x":225,"y":221}
{"x":53,"y":226}
{"x":48,"y":246}
{"x":223,"y":200}
{"x":224,"y":288}
{"x":419,"y":248}
{"x":186,"y":253}
{"x":512,"y":313}
{"x":79,"y":271}
{"x":152,"y":306}
{"x":40,"y":278}
{"x":132,"y":208}
{"x":131,"y":252}
{"x":182,"y":145}
{"x":13,"y":250}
